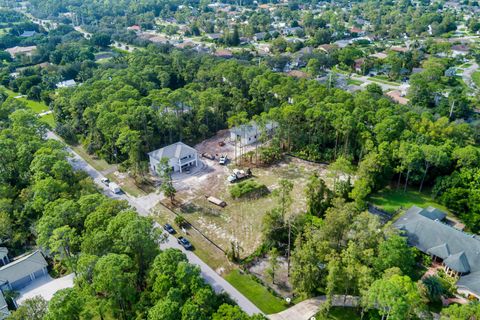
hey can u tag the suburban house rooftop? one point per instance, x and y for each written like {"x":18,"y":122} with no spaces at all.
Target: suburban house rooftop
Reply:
{"x":22,"y":267}
{"x":459,"y":251}
{"x":177,"y":150}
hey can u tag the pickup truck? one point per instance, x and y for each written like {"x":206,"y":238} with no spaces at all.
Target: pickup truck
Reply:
{"x":238,"y":175}
{"x":223,"y":160}
{"x":184,"y":243}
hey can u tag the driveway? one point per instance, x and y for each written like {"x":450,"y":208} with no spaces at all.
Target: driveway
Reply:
{"x":143,"y":205}
{"x":305,"y":310}
{"x":45,"y":287}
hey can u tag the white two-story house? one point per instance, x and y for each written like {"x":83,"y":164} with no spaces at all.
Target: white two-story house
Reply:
{"x":179,"y":155}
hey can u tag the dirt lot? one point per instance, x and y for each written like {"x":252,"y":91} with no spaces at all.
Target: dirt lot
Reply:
{"x":241,"y":219}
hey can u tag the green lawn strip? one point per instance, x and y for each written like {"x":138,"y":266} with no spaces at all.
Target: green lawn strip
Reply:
{"x":98,"y":164}
{"x":391,"y":200}
{"x":255,"y":292}
{"x":476,"y":78}
{"x":380,"y":80}
{"x":337,"y":70}
{"x":354,"y":82}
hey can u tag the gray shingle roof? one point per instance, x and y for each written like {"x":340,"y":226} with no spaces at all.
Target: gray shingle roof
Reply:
{"x":433,"y":213}
{"x":440,"y":251}
{"x":458,"y":262}
{"x":460,"y":251}
{"x":177,"y":151}
{"x":22,"y":267}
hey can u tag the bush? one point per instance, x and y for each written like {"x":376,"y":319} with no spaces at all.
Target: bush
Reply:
{"x":249,"y":189}
{"x":269,"y":155}
{"x":180,"y":221}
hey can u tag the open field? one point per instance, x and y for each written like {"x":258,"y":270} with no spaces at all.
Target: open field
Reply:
{"x":241,"y":220}
{"x":391,"y":200}
{"x":255,"y":292}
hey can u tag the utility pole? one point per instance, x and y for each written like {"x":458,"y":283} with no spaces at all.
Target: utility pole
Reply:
{"x":288,"y":250}
{"x":451,"y":109}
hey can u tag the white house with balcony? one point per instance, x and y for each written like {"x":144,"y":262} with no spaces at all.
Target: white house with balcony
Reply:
{"x":250,"y":133}
{"x":179,"y":155}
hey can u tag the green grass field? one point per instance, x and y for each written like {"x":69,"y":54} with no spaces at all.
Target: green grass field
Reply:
{"x":255,"y":292}
{"x":476,"y":78}
{"x":36,"y":106}
{"x":391,"y":200}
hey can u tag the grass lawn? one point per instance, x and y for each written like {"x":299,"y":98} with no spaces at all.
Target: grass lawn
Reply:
{"x":476,"y":78}
{"x":381,"y":79}
{"x":48,"y":119}
{"x":255,"y":292}
{"x":98,"y":164}
{"x":354,"y":82}
{"x":36,"y":106}
{"x":390,"y":199}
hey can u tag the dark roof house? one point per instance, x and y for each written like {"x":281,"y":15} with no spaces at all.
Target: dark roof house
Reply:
{"x":458,"y":251}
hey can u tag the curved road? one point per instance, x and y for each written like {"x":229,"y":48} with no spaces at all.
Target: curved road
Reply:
{"x":143,"y":206}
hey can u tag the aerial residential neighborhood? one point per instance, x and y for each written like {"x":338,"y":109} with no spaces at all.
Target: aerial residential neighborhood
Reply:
{"x":236,"y":160}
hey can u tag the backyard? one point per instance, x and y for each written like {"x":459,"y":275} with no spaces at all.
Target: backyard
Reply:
{"x":392,"y":200}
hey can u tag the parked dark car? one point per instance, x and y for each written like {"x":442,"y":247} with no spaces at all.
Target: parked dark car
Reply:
{"x":167,"y":227}
{"x":184,"y":243}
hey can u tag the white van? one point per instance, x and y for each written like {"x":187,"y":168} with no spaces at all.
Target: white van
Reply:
{"x":114,"y":187}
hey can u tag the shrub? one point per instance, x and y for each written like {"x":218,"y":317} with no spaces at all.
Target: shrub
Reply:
{"x":249,"y":189}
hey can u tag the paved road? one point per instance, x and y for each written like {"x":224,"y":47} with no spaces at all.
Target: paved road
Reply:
{"x":143,"y":206}
{"x":305,"y":310}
